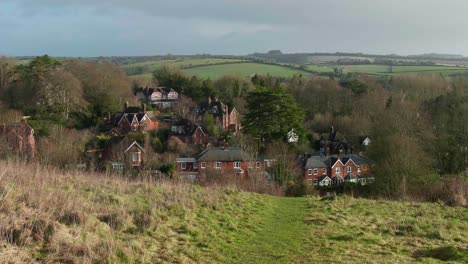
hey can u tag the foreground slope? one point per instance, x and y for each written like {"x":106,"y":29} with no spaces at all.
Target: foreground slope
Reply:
{"x":52,"y":217}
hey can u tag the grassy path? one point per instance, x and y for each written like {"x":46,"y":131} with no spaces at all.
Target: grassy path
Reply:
{"x":280,"y":238}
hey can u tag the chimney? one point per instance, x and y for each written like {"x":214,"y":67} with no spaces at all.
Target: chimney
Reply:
{"x":340,"y":154}
{"x":327,"y":151}
{"x":143,"y":107}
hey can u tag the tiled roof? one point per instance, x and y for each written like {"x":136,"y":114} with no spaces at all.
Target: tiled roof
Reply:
{"x":223,"y":154}
{"x":328,"y":161}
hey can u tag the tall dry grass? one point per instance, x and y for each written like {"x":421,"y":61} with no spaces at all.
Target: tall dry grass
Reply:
{"x":53,"y":216}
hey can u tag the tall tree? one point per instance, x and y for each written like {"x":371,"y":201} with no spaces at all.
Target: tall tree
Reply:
{"x":272,"y":113}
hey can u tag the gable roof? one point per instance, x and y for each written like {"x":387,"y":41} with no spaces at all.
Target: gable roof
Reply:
{"x":330,"y":161}
{"x":223,"y":154}
{"x":198,"y":128}
{"x":135,"y":144}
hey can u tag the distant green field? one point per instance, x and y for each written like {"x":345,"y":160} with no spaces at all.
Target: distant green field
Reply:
{"x":317,"y":68}
{"x":181,"y":63}
{"x":385,"y":69}
{"x":243,"y":69}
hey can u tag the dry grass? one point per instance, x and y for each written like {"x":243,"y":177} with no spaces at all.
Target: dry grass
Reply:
{"x":53,"y":216}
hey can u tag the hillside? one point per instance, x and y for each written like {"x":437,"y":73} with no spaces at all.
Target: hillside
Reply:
{"x":47,"y":216}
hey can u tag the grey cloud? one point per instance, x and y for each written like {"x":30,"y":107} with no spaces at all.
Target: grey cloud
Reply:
{"x":123,"y":27}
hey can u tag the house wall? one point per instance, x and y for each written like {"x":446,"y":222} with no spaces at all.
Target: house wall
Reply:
{"x":319,"y":174}
{"x":234,"y":120}
{"x":150,"y":125}
{"x":129,"y":160}
{"x":225,"y":165}
{"x":331,"y":172}
{"x":189,"y":167}
{"x":199,"y":138}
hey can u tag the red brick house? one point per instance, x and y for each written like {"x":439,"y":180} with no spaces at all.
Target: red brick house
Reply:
{"x":337,"y":169}
{"x":190,"y":134}
{"x":227,"y":160}
{"x":135,"y":155}
{"x":120,"y":153}
{"x":225,"y":118}
{"x":132,"y":119}
{"x":18,"y":138}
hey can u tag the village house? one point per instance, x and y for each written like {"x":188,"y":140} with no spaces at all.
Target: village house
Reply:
{"x":336,"y":169}
{"x":159,"y":97}
{"x":334,"y":142}
{"x":229,"y":160}
{"x":193,"y":135}
{"x":225,"y":118}
{"x":131,"y":119}
{"x":118,"y":154}
{"x":18,"y":138}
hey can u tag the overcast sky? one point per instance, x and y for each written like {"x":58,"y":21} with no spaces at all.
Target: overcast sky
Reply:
{"x":152,"y":27}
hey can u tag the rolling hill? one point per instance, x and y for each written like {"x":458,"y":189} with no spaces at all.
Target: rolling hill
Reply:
{"x":54,"y":217}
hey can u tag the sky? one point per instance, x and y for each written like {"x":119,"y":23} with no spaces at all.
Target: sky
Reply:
{"x":154,"y":27}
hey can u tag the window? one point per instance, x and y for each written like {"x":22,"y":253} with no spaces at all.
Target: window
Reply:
{"x":310,"y":172}
{"x":268,"y":163}
{"x":195,"y":165}
{"x":218,"y":165}
{"x":135,"y":156}
{"x":324,"y":170}
{"x":311,"y":182}
{"x":358,"y":168}
{"x":203,"y":165}
{"x":325,"y":182}
{"x":258,"y":164}
{"x":338,"y":170}
{"x":315,"y":181}
{"x":350,"y":169}
{"x":237,"y":165}
{"x":183,"y":165}
{"x":315,"y":171}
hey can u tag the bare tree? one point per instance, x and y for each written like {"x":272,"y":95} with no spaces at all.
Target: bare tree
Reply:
{"x":7,"y":66}
{"x":183,"y":107}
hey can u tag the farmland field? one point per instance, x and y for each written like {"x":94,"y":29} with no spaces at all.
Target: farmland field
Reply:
{"x":384,"y":69}
{"x":181,"y":63}
{"x":243,"y":69}
{"x":317,"y":68}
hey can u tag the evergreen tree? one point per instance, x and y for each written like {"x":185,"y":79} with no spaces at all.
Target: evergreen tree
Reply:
{"x":272,"y":113}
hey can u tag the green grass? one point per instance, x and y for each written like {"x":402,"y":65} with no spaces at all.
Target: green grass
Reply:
{"x":350,"y":230}
{"x":317,"y":68}
{"x":79,"y":218}
{"x":181,"y":63}
{"x":243,"y":69}
{"x":384,"y":69}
